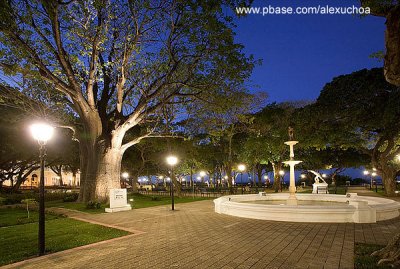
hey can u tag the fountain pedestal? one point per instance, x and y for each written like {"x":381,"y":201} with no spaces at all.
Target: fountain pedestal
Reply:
{"x":292,"y":200}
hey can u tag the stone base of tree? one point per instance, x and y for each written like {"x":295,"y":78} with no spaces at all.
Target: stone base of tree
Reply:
{"x":118,"y":209}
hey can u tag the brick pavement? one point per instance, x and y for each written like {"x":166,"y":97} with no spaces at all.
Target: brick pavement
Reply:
{"x":195,"y":237}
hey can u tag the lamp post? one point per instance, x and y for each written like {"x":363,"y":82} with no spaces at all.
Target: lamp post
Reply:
{"x":202,"y":175}
{"x":373,"y":174}
{"x":241,"y":168}
{"x":266,"y":180}
{"x":366,"y":173}
{"x":172,"y":161}
{"x":282,"y":173}
{"x":42,"y":133}
{"x":125,"y":176}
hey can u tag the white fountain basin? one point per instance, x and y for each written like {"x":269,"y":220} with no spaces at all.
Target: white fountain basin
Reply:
{"x":333,"y":208}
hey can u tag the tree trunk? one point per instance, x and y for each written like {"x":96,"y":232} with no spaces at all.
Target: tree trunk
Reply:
{"x":191,"y":176}
{"x":74,"y":178}
{"x":228,"y":168}
{"x":135,"y":181}
{"x":388,"y":175}
{"x":259,"y":174}
{"x":392,"y":40}
{"x":277,"y":166}
{"x":390,"y":255}
{"x":108,"y":173}
{"x":101,"y":170}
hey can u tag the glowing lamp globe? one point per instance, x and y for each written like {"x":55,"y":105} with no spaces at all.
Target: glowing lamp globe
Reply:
{"x":241,"y":167}
{"x":202,"y":173}
{"x":281,"y":172}
{"x":42,"y":132}
{"x":125,"y":175}
{"x":172,"y":160}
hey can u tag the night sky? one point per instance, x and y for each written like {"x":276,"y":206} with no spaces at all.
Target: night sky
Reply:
{"x":301,"y":53}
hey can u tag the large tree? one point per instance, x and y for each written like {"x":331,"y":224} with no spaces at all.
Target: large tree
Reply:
{"x":117,"y":64}
{"x":360,"y":111}
{"x":270,"y":131}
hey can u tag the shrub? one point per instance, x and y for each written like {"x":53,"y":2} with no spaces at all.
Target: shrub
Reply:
{"x":155,"y":198}
{"x":93,"y":205}
{"x":71,"y":197}
{"x":2,"y":201}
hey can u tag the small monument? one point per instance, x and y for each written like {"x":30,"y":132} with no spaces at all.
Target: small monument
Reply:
{"x":118,"y":201}
{"x":319,"y":182}
{"x":292,"y":200}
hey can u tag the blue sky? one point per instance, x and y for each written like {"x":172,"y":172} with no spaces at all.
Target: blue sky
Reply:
{"x":301,"y":53}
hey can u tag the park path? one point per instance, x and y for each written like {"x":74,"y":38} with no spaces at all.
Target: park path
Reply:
{"x":194,"y":236}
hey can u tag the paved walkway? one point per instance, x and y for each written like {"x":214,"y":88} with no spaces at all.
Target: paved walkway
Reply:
{"x":195,"y":237}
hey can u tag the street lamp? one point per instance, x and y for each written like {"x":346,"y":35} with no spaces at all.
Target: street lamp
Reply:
{"x":42,"y":133}
{"x":125,"y":175}
{"x":366,"y":173}
{"x":241,"y":168}
{"x":374,"y":174}
{"x":202,"y":175}
{"x":282,"y":173}
{"x":172,"y":161}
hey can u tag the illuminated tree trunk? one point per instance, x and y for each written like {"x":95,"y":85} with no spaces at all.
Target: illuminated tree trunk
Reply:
{"x":108,"y":173}
{"x":388,"y":175}
{"x":101,"y":157}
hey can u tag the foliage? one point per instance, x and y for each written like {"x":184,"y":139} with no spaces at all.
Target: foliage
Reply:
{"x":358,"y":111}
{"x":71,"y":197}
{"x":120,"y":64}
{"x":16,"y":198}
{"x":93,"y":205}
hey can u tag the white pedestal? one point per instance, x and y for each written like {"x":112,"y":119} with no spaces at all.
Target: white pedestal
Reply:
{"x":321,"y":186}
{"x":118,"y":201}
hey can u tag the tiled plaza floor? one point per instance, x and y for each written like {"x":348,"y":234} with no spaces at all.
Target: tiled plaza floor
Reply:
{"x":194,"y":236}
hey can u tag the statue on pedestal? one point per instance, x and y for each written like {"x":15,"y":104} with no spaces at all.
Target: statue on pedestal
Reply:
{"x":291,"y":133}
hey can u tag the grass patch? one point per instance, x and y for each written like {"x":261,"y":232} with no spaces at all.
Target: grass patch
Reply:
{"x":142,"y":201}
{"x":362,"y":256}
{"x":20,"y":242}
{"x":18,"y":216}
{"x":76,"y":206}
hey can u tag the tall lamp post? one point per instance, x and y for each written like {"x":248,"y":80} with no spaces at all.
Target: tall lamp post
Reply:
{"x":202,"y":175}
{"x":42,"y":133}
{"x":125,"y":176}
{"x":241,"y":168}
{"x":282,"y":173}
{"x":172,"y":161}
{"x":366,"y":173}
{"x":374,"y":174}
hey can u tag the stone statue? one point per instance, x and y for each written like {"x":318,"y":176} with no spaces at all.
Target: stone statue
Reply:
{"x":291,"y":133}
{"x":318,"y":178}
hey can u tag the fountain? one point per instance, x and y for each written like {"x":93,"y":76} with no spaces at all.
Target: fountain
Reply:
{"x":314,"y":207}
{"x":292,"y":185}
